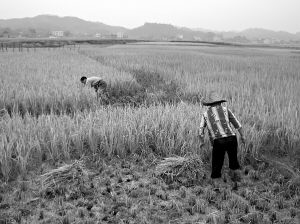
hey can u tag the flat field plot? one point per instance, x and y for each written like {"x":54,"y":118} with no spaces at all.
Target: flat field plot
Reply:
{"x":261,"y":86}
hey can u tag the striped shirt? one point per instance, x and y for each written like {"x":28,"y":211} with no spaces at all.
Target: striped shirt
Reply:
{"x":217,"y":119}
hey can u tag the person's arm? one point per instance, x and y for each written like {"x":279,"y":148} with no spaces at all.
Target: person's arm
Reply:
{"x":88,"y":82}
{"x":237,"y":125}
{"x":241,"y":131}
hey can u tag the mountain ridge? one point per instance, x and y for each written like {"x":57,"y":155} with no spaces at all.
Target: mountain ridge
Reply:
{"x":68,"y":23}
{"x":44,"y":24}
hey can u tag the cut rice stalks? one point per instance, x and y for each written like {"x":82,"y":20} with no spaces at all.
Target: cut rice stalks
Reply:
{"x":4,"y":116}
{"x":69,"y":174}
{"x":186,"y":170}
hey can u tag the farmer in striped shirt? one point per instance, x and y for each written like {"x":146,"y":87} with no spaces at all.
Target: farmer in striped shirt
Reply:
{"x":218,"y":120}
{"x":97,"y":83}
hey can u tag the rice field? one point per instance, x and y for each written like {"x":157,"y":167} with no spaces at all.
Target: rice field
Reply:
{"x":153,"y":112}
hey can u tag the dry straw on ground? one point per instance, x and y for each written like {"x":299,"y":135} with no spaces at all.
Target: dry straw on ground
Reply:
{"x":3,"y":115}
{"x":183,"y":169}
{"x":69,"y":174}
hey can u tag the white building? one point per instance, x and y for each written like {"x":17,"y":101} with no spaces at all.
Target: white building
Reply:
{"x":216,"y":38}
{"x":197,"y":38}
{"x":120,"y":35}
{"x":179,"y":37}
{"x":57,"y":33}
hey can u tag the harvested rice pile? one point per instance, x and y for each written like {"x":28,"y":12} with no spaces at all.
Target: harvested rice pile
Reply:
{"x":4,"y":115}
{"x":69,"y":174}
{"x":182,"y":169}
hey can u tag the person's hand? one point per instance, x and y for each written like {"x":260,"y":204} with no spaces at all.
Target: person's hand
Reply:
{"x":243,"y":140}
{"x":201,"y":138}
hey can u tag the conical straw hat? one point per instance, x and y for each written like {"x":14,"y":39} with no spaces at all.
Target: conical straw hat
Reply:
{"x":213,"y":98}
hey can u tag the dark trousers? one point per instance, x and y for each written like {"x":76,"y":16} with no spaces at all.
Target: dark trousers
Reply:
{"x":220,"y":146}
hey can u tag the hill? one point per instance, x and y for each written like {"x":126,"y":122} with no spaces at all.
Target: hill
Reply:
{"x":256,"y":33}
{"x":168,"y":32}
{"x":46,"y":23}
{"x":42,"y":25}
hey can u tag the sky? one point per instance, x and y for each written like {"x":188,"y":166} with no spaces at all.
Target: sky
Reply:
{"x":217,"y":15}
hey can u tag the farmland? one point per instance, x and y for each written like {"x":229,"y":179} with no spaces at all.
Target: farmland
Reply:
{"x":153,"y":112}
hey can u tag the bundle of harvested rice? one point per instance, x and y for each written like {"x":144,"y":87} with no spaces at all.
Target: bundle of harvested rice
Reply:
{"x":74,"y":173}
{"x":4,"y":115}
{"x":175,"y":168}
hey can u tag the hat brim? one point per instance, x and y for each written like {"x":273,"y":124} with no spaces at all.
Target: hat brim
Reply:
{"x":214,"y":102}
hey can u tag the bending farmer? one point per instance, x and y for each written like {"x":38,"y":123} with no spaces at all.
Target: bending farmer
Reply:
{"x":97,"y":83}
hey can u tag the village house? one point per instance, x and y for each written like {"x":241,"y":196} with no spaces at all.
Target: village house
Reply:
{"x":57,"y":33}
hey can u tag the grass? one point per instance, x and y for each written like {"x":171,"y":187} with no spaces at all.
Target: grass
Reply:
{"x":152,"y":112}
{"x":124,"y":131}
